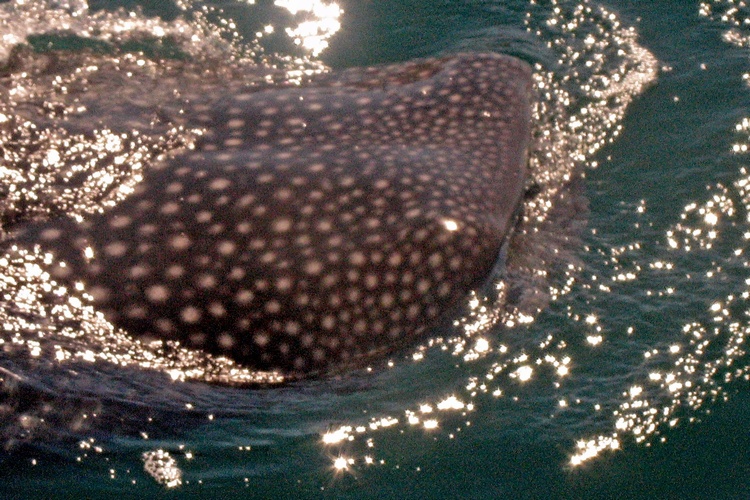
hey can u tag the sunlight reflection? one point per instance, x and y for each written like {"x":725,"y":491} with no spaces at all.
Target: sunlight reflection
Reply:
{"x":313,"y":35}
{"x":451,"y":403}
{"x":524,"y":373}
{"x":162,"y":467}
{"x":336,"y":436}
{"x":342,"y":463}
{"x":430,"y":424}
{"x":450,"y":224}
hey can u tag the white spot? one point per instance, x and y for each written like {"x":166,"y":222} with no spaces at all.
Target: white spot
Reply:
{"x":174,"y":187}
{"x":225,"y":341}
{"x":386,"y":300}
{"x":281,"y":225}
{"x":353,"y":295}
{"x":372,"y":223}
{"x":292,"y":327}
{"x":272,"y":306}
{"x":371,"y":281}
{"x":50,"y":234}
{"x":261,"y":339}
{"x":455,"y":263}
{"x":412,"y":312}
{"x":346,"y":181}
{"x":116,"y":249}
{"x":219,"y":184}
{"x":180,"y":242}
{"x":324,"y":226}
{"x":175,"y":271}
{"x":244,"y":297}
{"x":145,"y":205}
{"x":357,"y":258}
{"x":139,"y":271}
{"x":226,"y":247}
{"x":268,"y":257}
{"x":302,"y":299}
{"x":395,"y":259}
{"x":170,"y":208}
{"x":313,"y":267}
{"x":100,"y":293}
{"x":147,"y":229}
{"x":157,"y":293}
{"x":245,"y":201}
{"x":244,"y":227}
{"x":296,"y":122}
{"x":217,"y":310}
{"x":236,"y":123}
{"x":283,"y":194}
{"x":283,"y":284}
{"x":329,"y":280}
{"x":415,"y":257}
{"x":203,"y":216}
{"x":435,"y":260}
{"x":206,"y":281}
{"x":120,"y":221}
{"x":328,"y":322}
{"x":190,"y":315}
{"x":164,"y":325}
{"x":137,"y":312}
{"x":444,"y":289}
{"x":414,"y":212}
{"x":304,"y":240}
{"x":237,"y":273}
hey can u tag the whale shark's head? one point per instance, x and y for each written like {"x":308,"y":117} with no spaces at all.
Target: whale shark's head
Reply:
{"x":314,"y":228}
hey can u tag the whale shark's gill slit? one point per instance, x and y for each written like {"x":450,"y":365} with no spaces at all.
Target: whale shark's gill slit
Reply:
{"x":313,"y":229}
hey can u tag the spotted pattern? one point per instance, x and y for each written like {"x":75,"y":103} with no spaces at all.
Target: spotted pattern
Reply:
{"x":315,"y":228}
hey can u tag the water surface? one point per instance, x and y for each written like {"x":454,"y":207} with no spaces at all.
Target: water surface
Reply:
{"x":608,"y":361}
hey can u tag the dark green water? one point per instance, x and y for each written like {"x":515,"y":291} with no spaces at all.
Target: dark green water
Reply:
{"x":642,"y":343}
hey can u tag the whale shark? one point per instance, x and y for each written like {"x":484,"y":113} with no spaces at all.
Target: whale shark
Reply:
{"x":314,"y":228}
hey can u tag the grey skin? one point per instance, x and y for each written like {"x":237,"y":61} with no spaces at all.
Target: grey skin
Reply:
{"x":317,"y":228}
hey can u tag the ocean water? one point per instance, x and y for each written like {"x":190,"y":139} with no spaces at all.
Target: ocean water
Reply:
{"x":607,"y":361}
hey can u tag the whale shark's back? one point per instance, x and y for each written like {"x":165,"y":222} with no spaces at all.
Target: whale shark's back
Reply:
{"x":314,"y":228}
